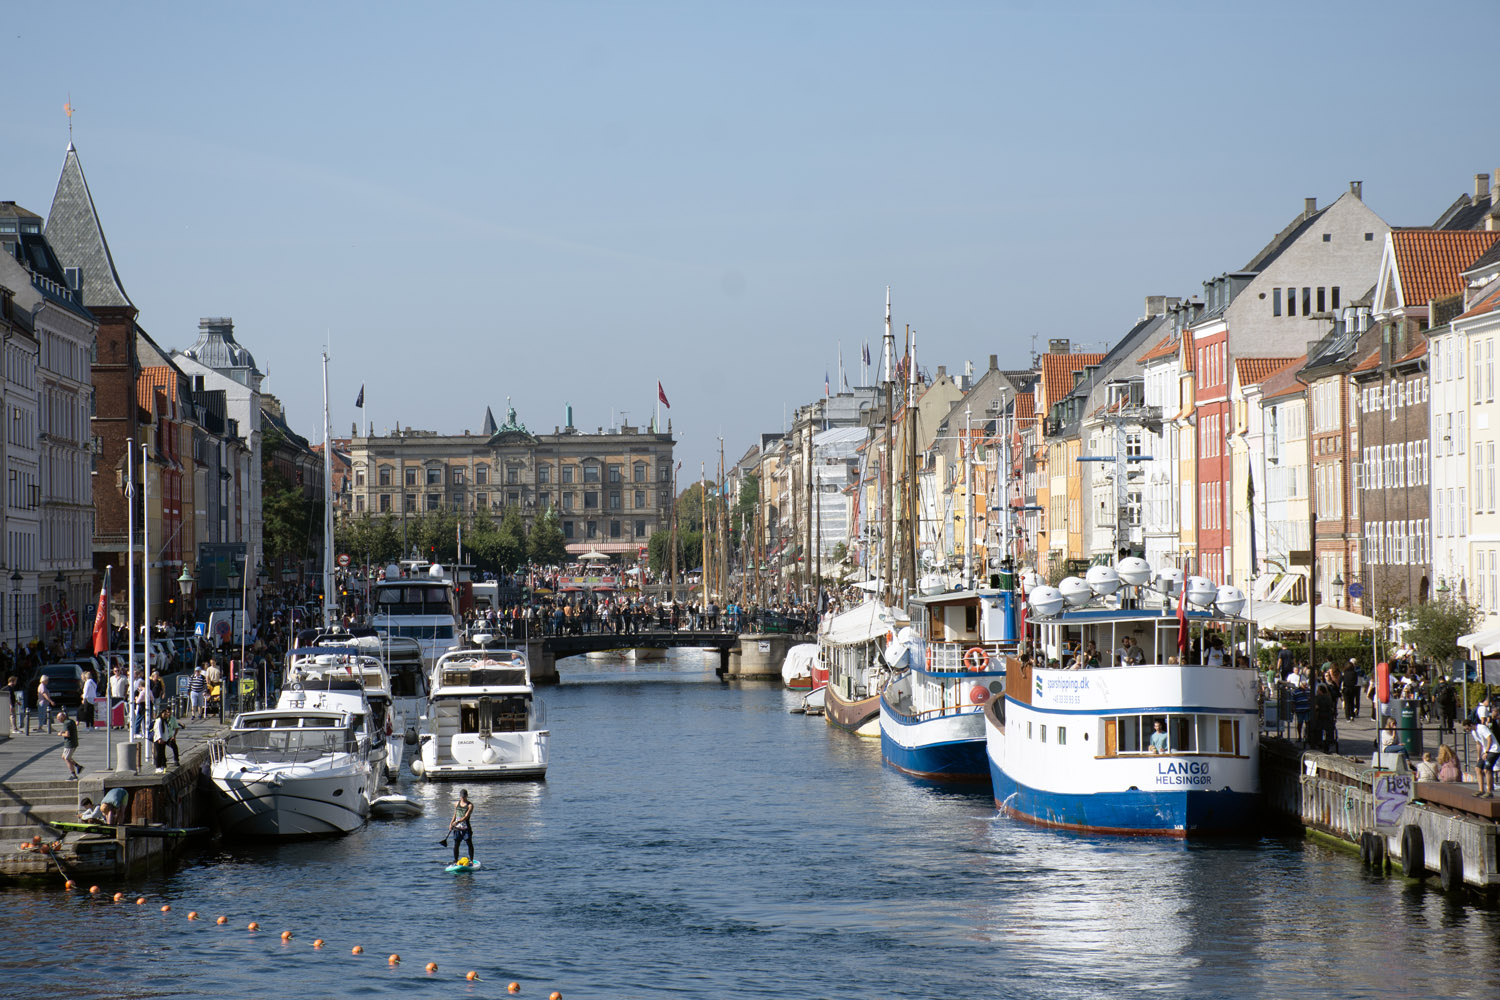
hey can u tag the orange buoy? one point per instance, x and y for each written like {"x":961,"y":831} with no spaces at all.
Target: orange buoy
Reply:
{"x":192,"y":914}
{"x":979,"y":694}
{"x":67,"y":883}
{"x":514,"y":988}
{"x":140,"y":901}
{"x":317,"y":942}
{"x":431,"y":966}
{"x":286,"y":935}
{"x":471,"y":975}
{"x":393,"y":960}
{"x":222,"y":920}
{"x":554,"y":995}
{"x":356,"y":950}
{"x":93,"y":890}
{"x":119,"y":896}
{"x":976,"y":659}
{"x":253,"y":926}
{"x":166,"y":907}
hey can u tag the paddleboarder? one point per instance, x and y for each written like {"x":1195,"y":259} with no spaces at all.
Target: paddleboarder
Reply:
{"x":460,"y":827}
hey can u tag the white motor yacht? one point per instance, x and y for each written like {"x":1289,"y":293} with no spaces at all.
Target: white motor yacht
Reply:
{"x":483,"y":719}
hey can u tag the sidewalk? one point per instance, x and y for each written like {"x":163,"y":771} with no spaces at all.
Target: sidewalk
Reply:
{"x":1357,"y":738}
{"x":38,"y":756}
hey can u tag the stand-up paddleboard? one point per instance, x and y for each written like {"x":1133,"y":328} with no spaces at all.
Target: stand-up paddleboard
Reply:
{"x":472,"y":866}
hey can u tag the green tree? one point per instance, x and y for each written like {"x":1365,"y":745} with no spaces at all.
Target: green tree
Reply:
{"x":545,"y":546}
{"x":690,"y":509}
{"x":286,"y":515}
{"x":689,"y":551}
{"x":1433,"y":627}
{"x":510,"y":541}
{"x":368,"y":539}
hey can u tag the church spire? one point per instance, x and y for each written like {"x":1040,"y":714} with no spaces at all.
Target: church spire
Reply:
{"x":490,"y":427}
{"x":75,"y":235}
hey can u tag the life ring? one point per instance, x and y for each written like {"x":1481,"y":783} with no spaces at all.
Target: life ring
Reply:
{"x":979,"y":694}
{"x":976,"y":659}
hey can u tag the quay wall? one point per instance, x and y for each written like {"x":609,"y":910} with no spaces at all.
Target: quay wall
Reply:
{"x":759,"y":655}
{"x":1334,"y":796}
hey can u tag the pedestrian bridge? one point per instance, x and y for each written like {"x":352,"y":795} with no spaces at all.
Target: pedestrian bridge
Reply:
{"x":561,"y":646}
{"x":751,"y":655}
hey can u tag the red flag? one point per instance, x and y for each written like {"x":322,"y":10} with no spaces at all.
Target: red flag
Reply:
{"x":661,"y":394}
{"x":101,"y":626}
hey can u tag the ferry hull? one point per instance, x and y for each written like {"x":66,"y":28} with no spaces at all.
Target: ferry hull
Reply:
{"x":947,"y":748}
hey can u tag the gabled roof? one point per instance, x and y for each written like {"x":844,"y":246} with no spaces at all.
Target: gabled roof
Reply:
{"x":1464,"y":213}
{"x":1057,"y":373}
{"x":1164,"y":348}
{"x":1416,"y":352}
{"x":1368,"y":364}
{"x":1025,"y":406}
{"x":77,"y":238}
{"x":1281,"y":241}
{"x":1430,"y":263}
{"x":1283,"y":382}
{"x":1486,"y":303}
{"x":1252,"y":371}
{"x":1487,"y":259}
{"x":155,"y":379}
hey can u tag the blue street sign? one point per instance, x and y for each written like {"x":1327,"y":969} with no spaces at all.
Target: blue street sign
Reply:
{"x":1356,"y":590}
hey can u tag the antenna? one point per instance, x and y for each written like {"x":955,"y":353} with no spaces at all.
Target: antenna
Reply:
{"x":68,"y":110}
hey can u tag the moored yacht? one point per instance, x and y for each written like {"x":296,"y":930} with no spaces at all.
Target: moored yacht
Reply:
{"x":483,"y":719}
{"x":308,"y":766}
{"x":849,"y":646}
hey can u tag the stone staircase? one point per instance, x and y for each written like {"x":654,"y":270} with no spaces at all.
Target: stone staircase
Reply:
{"x":26,"y":809}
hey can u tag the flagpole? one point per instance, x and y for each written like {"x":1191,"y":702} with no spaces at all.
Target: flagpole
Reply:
{"x":103,"y":609}
{"x":129,"y":589}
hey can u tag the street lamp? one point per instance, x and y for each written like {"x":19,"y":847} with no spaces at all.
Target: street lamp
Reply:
{"x":1338,"y":587}
{"x":185,"y":584}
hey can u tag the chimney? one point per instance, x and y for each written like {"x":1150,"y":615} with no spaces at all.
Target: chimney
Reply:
{"x":1155,"y":305}
{"x":1481,"y":190}
{"x":1059,"y":345}
{"x":942,"y":370}
{"x":1309,"y":207}
{"x":994,"y":361}
{"x":1357,"y":188}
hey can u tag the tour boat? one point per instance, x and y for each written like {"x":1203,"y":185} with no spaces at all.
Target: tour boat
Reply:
{"x":1078,"y":747}
{"x":416,"y":607}
{"x":850,"y":646}
{"x":309,"y":766}
{"x":483,"y":719}
{"x":952,"y":663}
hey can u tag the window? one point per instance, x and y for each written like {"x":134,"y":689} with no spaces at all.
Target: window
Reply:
{"x":567,"y":501}
{"x":434,"y":501}
{"x":640,"y":499}
{"x":1062,"y":735}
{"x":410,"y":501}
{"x":385,"y":475}
{"x":1369,"y":237}
{"x":591,"y":500}
{"x":481,"y":475}
{"x":385,"y":503}
{"x":1333,"y":294}
{"x":513,"y":498}
{"x":434,"y":477}
{"x":639,"y":472}
{"x":544,"y":474}
{"x":411,"y":477}
{"x":614,"y":499}
{"x":1291,"y":301}
{"x":1327,"y":237}
{"x":591,"y":473}
{"x":614,"y":529}
{"x":567,"y":473}
{"x":616,"y":473}
{"x":458,"y":477}
{"x":482,"y":501}
{"x":1306,"y":301}
{"x":512,"y":474}
{"x":568,"y":526}
{"x":640,"y":529}
{"x":359,"y":477}
{"x":593,"y":529}
{"x":1322,"y":304}
{"x":359,"y":504}
{"x":663,"y":474}
{"x":1043,"y":728}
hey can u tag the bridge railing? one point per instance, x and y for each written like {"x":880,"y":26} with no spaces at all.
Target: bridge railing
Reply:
{"x":547,"y":626}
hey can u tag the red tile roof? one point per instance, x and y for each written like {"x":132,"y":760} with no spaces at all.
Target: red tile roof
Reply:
{"x":1415,"y":352}
{"x":152,"y":380}
{"x":1057,"y":373}
{"x":1251,"y":371}
{"x":1283,"y":382}
{"x":1187,"y":350}
{"x":1164,"y":349}
{"x":1368,"y":364}
{"x":1487,"y":303}
{"x":1025,"y":406}
{"x":1429,"y":262}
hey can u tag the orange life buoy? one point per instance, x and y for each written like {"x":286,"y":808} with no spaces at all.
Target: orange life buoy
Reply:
{"x":979,"y":694}
{"x":976,"y":659}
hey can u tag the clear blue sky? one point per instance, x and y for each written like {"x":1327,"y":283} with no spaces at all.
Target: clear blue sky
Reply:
{"x":566,"y":202}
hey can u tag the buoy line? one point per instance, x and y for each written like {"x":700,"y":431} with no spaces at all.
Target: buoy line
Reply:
{"x":393,"y":962}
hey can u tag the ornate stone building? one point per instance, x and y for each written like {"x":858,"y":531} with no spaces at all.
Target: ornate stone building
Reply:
{"x":611,"y":489}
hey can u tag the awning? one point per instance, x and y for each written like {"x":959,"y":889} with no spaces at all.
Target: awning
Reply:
{"x":1485,"y":643}
{"x":1275,"y":616}
{"x":1260,"y":590}
{"x":1284,"y":586}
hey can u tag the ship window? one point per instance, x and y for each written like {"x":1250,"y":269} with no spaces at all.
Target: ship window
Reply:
{"x":1062,"y":735}
{"x":1044,"y":734}
{"x":1028,"y":730}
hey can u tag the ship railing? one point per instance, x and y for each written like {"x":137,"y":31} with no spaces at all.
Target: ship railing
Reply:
{"x":950,"y":656}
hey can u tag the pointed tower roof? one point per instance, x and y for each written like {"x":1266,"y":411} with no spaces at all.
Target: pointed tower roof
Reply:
{"x":76,"y":237}
{"x":490,"y":427}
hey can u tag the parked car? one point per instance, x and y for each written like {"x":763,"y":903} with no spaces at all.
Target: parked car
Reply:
{"x":65,"y":681}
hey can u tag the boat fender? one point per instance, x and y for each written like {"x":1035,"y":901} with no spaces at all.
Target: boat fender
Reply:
{"x":1377,"y":852}
{"x":976,"y":659}
{"x":979,"y":694}
{"x":1451,"y":865}
{"x":1413,"y":852}
{"x":411,"y":736}
{"x":1364,"y":848}
{"x":417,"y":767}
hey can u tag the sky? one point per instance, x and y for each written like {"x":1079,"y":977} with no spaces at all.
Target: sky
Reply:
{"x":565,"y":203}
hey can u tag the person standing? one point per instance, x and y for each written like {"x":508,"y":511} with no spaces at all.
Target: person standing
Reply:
{"x":198,"y":695}
{"x":70,"y":745}
{"x":119,"y":692}
{"x":1484,"y":740}
{"x":170,"y":727}
{"x":159,"y":742}
{"x":45,"y":705}
{"x":1350,"y":684}
{"x":461,"y":826}
{"x":13,"y":687}
{"x":90,"y":695}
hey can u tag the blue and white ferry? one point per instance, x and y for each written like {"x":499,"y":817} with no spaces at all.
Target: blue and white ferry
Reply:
{"x":1166,"y":745}
{"x":952,"y":663}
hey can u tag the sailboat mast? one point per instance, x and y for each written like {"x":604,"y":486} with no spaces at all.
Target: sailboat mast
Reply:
{"x":968,"y":501}
{"x":330,"y":614}
{"x":888,"y":501}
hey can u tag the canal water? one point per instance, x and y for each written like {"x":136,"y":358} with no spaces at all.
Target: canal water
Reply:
{"x":694,"y":839}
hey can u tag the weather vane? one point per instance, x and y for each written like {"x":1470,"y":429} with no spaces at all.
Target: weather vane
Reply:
{"x":68,"y":110}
